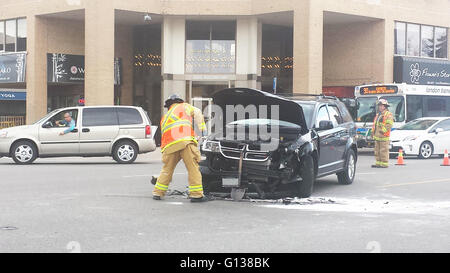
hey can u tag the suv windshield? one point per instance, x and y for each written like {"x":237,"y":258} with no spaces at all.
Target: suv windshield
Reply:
{"x":308,"y":111}
{"x":418,"y":124}
{"x":263,"y":122}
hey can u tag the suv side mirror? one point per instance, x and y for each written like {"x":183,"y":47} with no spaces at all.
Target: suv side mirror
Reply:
{"x":47,"y":124}
{"x":438,"y":130}
{"x":325,"y":125}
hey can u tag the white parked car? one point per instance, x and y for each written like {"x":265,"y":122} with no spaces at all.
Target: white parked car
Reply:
{"x":423,"y":137}
{"x":122,"y":132}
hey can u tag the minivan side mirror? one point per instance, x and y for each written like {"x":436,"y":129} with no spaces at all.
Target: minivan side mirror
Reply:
{"x":438,"y":130}
{"x":325,"y":125}
{"x":47,"y":124}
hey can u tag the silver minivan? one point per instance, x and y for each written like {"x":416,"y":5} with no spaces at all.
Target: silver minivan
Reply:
{"x":122,"y":132}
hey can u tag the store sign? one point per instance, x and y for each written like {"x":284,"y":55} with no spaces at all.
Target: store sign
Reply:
{"x":379,"y":90}
{"x":66,"y":68}
{"x":13,"y":95}
{"x":13,"y":67}
{"x":421,"y":71}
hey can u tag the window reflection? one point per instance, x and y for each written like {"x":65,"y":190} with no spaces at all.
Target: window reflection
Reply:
{"x":413,"y":40}
{"x":441,"y":38}
{"x":427,"y":41}
{"x":10,"y":31}
{"x":210,"y":47}
{"x":400,"y":38}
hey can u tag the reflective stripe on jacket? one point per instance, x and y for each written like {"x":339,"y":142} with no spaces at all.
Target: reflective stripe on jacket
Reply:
{"x":177,"y":125}
{"x":382,"y":126}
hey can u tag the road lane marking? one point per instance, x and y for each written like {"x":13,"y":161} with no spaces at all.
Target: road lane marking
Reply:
{"x":416,"y":183}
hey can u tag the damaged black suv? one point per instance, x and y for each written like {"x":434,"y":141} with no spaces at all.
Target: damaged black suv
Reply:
{"x":310,"y":137}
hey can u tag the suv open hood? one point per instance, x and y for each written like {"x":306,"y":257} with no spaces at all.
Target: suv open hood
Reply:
{"x":290,"y":111}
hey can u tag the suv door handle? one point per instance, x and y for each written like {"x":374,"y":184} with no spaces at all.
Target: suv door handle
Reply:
{"x":75,"y":131}
{"x":86,"y":130}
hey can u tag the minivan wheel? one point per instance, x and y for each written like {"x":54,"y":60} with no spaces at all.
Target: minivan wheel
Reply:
{"x":24,"y":152}
{"x":125,"y":152}
{"x":426,"y":150}
{"x":305,"y":187}
{"x":347,"y":176}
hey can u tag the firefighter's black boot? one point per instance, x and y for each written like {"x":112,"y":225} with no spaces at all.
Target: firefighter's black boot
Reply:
{"x":154,"y":179}
{"x":199,"y":200}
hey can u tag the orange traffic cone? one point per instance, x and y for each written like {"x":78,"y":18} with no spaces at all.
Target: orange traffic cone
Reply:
{"x":400,"y":161}
{"x":446,"y":160}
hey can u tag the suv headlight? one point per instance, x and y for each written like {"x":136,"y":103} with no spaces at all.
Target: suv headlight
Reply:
{"x":211,"y":146}
{"x":3,"y":134}
{"x":410,"y":138}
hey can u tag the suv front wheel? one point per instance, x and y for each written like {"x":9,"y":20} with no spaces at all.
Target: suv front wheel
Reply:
{"x":125,"y":152}
{"x":305,"y":187}
{"x":24,"y":152}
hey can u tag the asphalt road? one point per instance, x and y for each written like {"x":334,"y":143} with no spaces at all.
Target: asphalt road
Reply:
{"x":96,"y":205}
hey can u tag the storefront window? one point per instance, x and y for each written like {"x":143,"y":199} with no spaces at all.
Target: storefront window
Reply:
{"x":10,"y":36}
{"x":400,"y":38}
{"x":21,"y":35}
{"x":210,"y":47}
{"x":441,"y":41}
{"x":427,"y":41}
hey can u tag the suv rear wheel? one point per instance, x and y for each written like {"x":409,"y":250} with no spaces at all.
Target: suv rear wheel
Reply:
{"x":347,"y":176}
{"x":125,"y":152}
{"x":305,"y":187}
{"x":24,"y":152}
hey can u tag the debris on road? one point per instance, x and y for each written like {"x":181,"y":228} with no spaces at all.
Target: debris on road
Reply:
{"x":8,"y":228}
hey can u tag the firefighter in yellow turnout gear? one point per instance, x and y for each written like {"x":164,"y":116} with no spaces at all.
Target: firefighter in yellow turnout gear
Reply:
{"x":179,"y":141}
{"x":381,"y":132}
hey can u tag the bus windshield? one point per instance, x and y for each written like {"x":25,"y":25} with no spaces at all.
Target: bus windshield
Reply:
{"x":397,"y":107}
{"x":366,"y":109}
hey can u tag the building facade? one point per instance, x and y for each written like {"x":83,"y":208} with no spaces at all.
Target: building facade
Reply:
{"x":57,"y":53}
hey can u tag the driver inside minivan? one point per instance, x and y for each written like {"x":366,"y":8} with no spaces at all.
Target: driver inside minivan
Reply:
{"x":67,"y":122}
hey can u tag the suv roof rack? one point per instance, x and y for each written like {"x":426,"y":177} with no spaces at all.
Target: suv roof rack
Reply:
{"x":293,"y":95}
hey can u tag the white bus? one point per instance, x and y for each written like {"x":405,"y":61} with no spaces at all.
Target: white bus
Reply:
{"x":408,"y":102}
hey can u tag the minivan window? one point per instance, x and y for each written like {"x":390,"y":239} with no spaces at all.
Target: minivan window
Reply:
{"x":100,"y":117}
{"x":129,"y":116}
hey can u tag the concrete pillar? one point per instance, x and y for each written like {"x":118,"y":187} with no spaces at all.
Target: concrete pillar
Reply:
{"x":99,"y":53}
{"x":248,"y":52}
{"x":308,"y":47}
{"x":36,"y":72}
{"x":385,"y":28}
{"x":173,"y":57}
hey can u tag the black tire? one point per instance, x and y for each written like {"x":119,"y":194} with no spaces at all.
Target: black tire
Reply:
{"x":24,"y":152}
{"x":125,"y":152}
{"x":347,"y":176}
{"x":306,"y":186}
{"x":210,"y":184}
{"x":426,"y":150}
